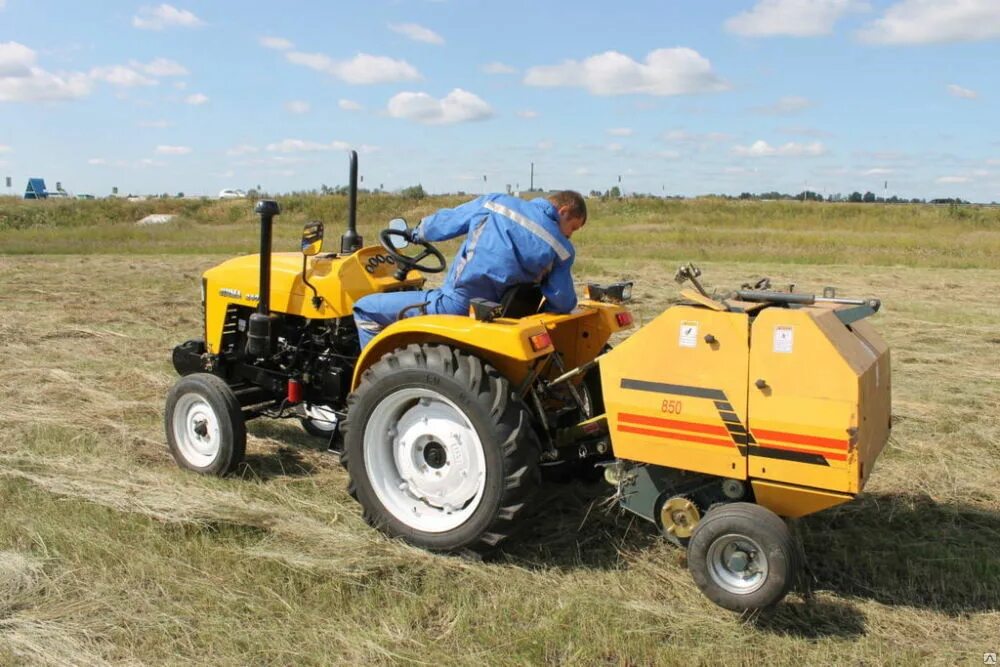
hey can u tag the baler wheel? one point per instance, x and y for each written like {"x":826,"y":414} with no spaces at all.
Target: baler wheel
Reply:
{"x":206,"y":431}
{"x":743,"y":557}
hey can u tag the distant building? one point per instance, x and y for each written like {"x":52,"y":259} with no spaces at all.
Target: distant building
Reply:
{"x":36,"y":189}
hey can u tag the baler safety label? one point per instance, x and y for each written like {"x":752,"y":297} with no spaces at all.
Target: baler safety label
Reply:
{"x":689,"y":334}
{"x":783,"y":340}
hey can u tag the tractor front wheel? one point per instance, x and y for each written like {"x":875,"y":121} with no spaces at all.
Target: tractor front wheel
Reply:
{"x":440,"y":450}
{"x":743,"y":557}
{"x":206,"y":431}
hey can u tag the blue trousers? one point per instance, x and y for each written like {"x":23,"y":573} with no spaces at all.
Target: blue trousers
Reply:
{"x":377,"y":311}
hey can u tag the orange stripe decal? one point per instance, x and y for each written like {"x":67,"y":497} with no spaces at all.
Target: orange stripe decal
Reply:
{"x":671,"y":435}
{"x":672,"y":423}
{"x":800,"y":439}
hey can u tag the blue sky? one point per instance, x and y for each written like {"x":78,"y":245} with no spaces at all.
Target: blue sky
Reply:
{"x":673,"y":97}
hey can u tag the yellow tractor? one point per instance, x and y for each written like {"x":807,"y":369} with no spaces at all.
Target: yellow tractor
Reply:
{"x":715,"y":421}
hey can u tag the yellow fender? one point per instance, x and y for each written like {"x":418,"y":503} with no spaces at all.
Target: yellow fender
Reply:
{"x":503,"y":343}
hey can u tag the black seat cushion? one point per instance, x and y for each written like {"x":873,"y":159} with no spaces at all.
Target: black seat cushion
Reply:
{"x":521,"y":300}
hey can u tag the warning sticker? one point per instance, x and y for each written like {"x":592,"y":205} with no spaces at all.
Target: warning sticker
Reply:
{"x":783,"y":339}
{"x":689,"y":334}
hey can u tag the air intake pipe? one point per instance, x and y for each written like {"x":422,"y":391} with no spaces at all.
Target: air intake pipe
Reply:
{"x":259,"y":329}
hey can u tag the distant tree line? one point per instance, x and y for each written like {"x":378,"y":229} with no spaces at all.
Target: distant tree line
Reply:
{"x":853,"y":198}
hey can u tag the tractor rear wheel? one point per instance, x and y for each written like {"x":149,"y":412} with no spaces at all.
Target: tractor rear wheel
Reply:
{"x":206,"y":431}
{"x":743,"y":557}
{"x":440,"y":450}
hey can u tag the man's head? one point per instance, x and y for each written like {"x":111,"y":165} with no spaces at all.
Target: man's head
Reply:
{"x":572,"y":210}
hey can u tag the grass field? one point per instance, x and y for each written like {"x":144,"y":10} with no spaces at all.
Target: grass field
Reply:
{"x":111,"y":555}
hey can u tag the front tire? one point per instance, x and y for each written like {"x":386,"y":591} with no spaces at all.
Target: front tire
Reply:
{"x":743,"y":557}
{"x":206,"y":431}
{"x":440,"y":450}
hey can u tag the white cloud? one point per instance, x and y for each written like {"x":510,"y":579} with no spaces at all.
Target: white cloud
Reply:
{"x":165,"y":16}
{"x":16,"y":60}
{"x":150,"y":162}
{"x":349,"y":105}
{"x":685,"y":137}
{"x":964,"y":93}
{"x":197,"y":99}
{"x":302,"y":146}
{"x":670,"y":155}
{"x":242,"y":149}
{"x":620,"y":132}
{"x":498,"y":68}
{"x":21,"y":80}
{"x":545,"y":145}
{"x":676,"y":71}
{"x":160,"y":67}
{"x":878,"y":171}
{"x":793,"y":18}
{"x":458,"y":106}
{"x":297,"y":107}
{"x":119,"y":75}
{"x":993,"y":162}
{"x":361,"y":69}
{"x":172,"y":150}
{"x":527,"y":113}
{"x":615,"y":147}
{"x":952,"y":180}
{"x":97,"y":161}
{"x":789,"y":104}
{"x":3,"y":3}
{"x":5,"y":149}
{"x":417,"y":33}
{"x":933,"y":21}
{"x":159,"y":124}
{"x":761,"y":148}
{"x":276,"y":43}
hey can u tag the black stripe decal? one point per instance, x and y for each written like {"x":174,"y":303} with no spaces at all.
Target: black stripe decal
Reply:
{"x":785,"y":455}
{"x":723,"y":406}
{"x":735,"y":428}
{"x":729,"y":417}
{"x":677,"y":389}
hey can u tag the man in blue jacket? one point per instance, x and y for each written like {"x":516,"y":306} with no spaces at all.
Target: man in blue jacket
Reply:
{"x":508,"y":241}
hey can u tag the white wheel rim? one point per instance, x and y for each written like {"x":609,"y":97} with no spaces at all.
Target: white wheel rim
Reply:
{"x":737,"y":564}
{"x":424,"y":460}
{"x":196,"y":430}
{"x":321,"y":417}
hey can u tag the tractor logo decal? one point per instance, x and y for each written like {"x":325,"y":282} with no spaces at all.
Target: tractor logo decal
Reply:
{"x":795,"y":447}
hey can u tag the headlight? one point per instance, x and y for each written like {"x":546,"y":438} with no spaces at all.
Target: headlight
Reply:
{"x":614,"y":293}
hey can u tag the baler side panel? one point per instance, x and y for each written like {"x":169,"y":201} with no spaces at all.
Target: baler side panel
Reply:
{"x":675,"y":392}
{"x":804,"y":418}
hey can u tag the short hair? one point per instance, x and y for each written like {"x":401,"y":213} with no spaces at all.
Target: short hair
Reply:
{"x":574,"y":200}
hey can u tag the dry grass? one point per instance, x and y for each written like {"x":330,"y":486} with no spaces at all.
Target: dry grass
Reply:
{"x":111,"y":555}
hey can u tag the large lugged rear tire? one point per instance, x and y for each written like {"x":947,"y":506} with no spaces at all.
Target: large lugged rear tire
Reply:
{"x":440,"y":450}
{"x":206,"y":431}
{"x":743,"y":557}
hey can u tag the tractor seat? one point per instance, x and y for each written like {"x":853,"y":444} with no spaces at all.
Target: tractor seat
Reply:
{"x":521,"y":300}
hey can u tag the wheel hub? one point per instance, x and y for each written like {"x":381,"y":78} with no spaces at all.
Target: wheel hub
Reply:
{"x":424,"y":459}
{"x":196,"y":430}
{"x":737,"y":563}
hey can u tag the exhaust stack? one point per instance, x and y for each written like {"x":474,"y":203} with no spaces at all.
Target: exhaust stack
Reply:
{"x":350,"y":241}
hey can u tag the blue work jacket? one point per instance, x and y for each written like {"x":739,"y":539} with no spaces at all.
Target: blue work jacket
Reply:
{"x":508,"y":241}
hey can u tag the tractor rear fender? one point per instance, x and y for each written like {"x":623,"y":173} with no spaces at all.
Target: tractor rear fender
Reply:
{"x":579,"y":336}
{"x":505,"y":344}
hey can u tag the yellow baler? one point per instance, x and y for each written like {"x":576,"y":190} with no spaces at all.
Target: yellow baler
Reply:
{"x":769,"y":400}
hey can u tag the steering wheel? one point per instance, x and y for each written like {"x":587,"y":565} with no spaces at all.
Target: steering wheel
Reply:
{"x":406,"y":263}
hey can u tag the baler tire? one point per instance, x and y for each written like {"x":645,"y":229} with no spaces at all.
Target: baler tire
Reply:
{"x":205,"y":401}
{"x":445,"y":384}
{"x":739,"y":526}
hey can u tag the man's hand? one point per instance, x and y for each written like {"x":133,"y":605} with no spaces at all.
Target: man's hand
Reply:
{"x":411,"y":235}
